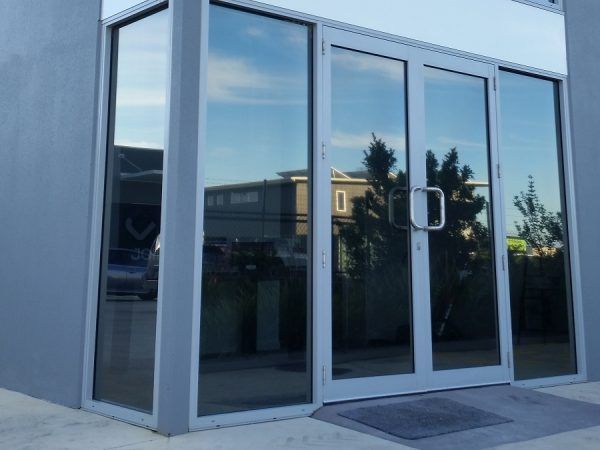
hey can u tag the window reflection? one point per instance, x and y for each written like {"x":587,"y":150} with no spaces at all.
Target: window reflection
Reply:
{"x":463,"y":303}
{"x":371,"y":298}
{"x":126,"y":326}
{"x":542,"y":320}
{"x":254,"y":321}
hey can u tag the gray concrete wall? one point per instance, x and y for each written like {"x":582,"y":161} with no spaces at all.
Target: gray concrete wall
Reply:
{"x":48,"y":55}
{"x":583,"y":47}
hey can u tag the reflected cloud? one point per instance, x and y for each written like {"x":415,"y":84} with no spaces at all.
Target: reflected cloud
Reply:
{"x":235,"y":80}
{"x":361,"y":141}
{"x":255,"y":32}
{"x":388,"y":68}
{"x":442,"y":77}
{"x":451,"y":142}
{"x":132,"y":98}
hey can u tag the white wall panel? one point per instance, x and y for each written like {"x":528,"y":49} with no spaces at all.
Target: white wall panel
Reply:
{"x":501,"y":29}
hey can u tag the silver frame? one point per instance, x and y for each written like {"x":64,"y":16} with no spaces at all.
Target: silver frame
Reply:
{"x":321,"y":210}
{"x":269,"y":414}
{"x":572,"y":234}
{"x":424,"y":378}
{"x":88,"y":403}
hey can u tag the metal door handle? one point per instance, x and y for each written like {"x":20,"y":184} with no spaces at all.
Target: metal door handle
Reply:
{"x":442,"y":199}
{"x":391,"y":208}
{"x":411,"y":201}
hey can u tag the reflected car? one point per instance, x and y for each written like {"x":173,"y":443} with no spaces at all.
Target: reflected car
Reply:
{"x":125,"y":274}
{"x":222,"y":259}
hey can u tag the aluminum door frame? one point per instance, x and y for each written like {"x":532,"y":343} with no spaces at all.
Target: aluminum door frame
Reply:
{"x":423,"y":378}
{"x":349,"y":389}
{"x":499,"y":374}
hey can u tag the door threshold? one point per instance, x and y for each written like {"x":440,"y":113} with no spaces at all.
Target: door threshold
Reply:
{"x":414,"y":392}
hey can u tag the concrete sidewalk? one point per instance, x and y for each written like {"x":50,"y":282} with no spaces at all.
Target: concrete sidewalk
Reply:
{"x":28,"y":423}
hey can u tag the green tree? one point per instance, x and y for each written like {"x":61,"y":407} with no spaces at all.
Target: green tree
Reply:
{"x":369,"y":240}
{"x":542,"y":229}
{"x":377,"y":253}
{"x":461,"y":276}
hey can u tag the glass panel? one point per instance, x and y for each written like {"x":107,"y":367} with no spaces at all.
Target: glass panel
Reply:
{"x":124,"y":370}
{"x":463,"y":303}
{"x":542,"y":318}
{"x":371,"y":262}
{"x":254,"y":342}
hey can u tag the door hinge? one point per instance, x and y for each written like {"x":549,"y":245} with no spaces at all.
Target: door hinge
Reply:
{"x":323,"y":150}
{"x":508,"y":359}
{"x":503,"y":263}
{"x":324,"y":259}
{"x":498,"y":170}
{"x":324,"y":374}
{"x":323,"y":46}
{"x":495,"y":84}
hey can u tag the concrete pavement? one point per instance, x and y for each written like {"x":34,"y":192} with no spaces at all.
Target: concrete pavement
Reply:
{"x":28,"y":423}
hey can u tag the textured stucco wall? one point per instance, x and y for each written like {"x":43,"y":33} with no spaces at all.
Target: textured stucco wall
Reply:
{"x":583,"y":47}
{"x":48,"y":56}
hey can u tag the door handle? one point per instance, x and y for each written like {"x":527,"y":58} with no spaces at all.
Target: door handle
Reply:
{"x":411,"y":201}
{"x":442,"y":199}
{"x":392,"y":208}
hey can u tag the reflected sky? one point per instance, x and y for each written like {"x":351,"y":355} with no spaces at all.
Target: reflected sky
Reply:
{"x":456,"y":116}
{"x":529,"y":141}
{"x":258,"y":92}
{"x":368,"y":96}
{"x":142,"y":82}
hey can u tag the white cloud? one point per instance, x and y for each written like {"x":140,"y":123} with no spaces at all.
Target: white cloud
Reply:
{"x":255,"y":32}
{"x":234,"y":80}
{"x":361,"y":141}
{"x":297,"y":36}
{"x":363,"y":62}
{"x":450,"y":142}
{"x":446,"y":77}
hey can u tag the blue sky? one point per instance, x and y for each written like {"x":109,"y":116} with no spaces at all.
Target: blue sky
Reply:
{"x":141,"y":82}
{"x":368,"y":96}
{"x":258,"y":87}
{"x":529,"y":144}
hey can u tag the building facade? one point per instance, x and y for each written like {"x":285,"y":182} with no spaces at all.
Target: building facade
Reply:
{"x":218,"y":213}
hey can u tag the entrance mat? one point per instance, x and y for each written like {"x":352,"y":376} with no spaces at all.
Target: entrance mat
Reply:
{"x":423,"y":418}
{"x":534,"y":415}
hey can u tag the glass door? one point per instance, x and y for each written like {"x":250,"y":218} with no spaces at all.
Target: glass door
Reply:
{"x":412,"y":303}
{"x":464,"y":270}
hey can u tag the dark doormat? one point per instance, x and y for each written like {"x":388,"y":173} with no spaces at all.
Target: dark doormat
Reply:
{"x":531,"y":415}
{"x":423,"y":418}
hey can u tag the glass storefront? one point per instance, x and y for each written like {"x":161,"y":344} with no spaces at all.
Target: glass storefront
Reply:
{"x":386,"y":270}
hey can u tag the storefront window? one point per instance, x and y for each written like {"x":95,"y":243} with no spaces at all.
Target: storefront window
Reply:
{"x":540,"y":279}
{"x":126,"y":327}
{"x":255,"y":319}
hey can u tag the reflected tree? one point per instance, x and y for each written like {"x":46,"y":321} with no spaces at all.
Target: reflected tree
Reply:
{"x":461,"y":275}
{"x":369,"y":240}
{"x":538,"y":279}
{"x":541,"y":228}
{"x":371,"y":284}
{"x":461,"y":269}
